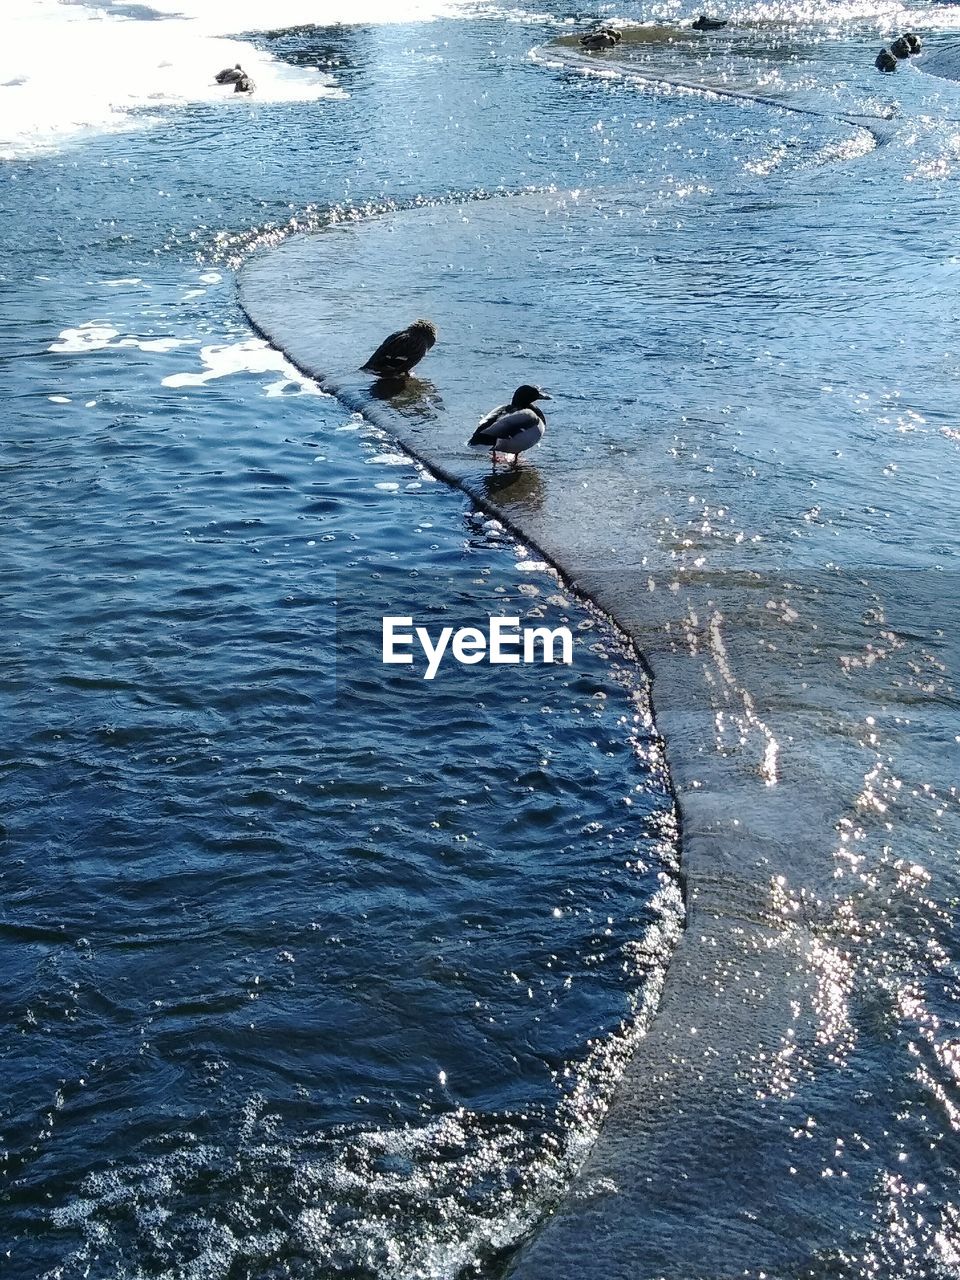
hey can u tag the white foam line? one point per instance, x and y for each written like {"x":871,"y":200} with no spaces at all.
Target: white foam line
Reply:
{"x":252,"y":355}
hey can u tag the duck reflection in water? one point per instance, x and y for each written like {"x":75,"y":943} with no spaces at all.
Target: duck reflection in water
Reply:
{"x":412,"y":397}
{"x":515,"y":490}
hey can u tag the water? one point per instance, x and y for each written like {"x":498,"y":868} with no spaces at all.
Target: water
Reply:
{"x":258,"y":899}
{"x":313,"y":974}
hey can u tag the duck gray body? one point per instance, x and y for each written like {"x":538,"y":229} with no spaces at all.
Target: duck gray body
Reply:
{"x":512,"y":428}
{"x":397,"y":354}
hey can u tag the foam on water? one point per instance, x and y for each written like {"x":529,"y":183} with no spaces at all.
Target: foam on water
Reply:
{"x":95,"y":335}
{"x":70,"y":69}
{"x":249,"y":356}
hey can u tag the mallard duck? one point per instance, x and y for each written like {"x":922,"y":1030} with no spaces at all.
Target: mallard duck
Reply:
{"x":244,"y":85}
{"x":885,"y":61}
{"x":602,"y":39}
{"x":512,"y":428}
{"x":397,"y":354}
{"x":230,"y":75}
{"x":913,"y":41}
{"x":703,"y":23}
{"x":900,"y":48}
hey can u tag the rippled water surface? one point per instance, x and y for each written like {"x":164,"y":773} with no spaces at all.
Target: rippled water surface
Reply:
{"x":278,"y":930}
{"x":311,"y":971}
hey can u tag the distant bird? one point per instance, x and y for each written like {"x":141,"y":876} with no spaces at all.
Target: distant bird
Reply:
{"x":703,"y":23}
{"x":230,"y":75}
{"x":397,"y":354}
{"x":244,"y":85}
{"x":913,"y":41}
{"x":900,"y":48}
{"x":602,"y":39}
{"x":514,"y":427}
{"x":885,"y":61}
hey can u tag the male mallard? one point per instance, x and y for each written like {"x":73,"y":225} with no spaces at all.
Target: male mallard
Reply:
{"x":398,"y":354}
{"x":244,"y":85}
{"x":602,"y":39}
{"x":514,"y":427}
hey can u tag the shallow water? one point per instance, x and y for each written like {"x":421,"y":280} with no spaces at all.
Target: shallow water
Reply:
{"x":314,"y":973}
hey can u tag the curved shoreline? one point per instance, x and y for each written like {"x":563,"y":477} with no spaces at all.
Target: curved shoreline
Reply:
{"x":712,"y":877}
{"x":739,"y":1052}
{"x":584,"y":1233}
{"x":705,"y":1098}
{"x":390,"y":424}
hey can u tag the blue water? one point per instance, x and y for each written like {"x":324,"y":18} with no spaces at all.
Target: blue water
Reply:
{"x":317,"y":969}
{"x":271,"y":920}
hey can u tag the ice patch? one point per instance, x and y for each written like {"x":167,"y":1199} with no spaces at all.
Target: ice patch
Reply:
{"x":251,"y":15}
{"x":70,"y":69}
